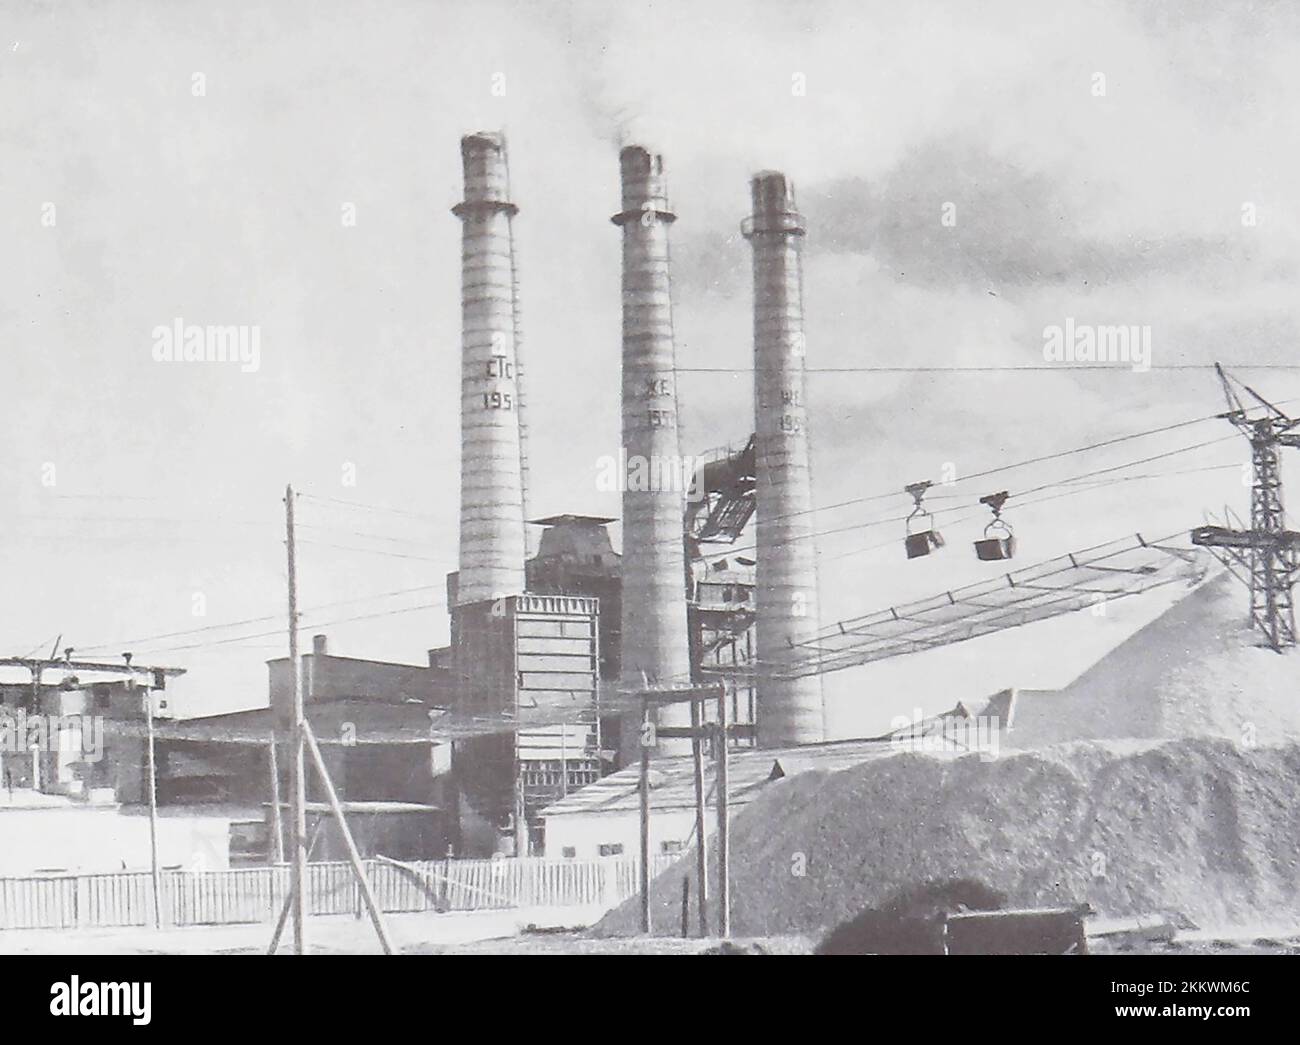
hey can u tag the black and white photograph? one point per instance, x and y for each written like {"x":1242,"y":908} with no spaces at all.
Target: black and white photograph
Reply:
{"x":635,"y":480}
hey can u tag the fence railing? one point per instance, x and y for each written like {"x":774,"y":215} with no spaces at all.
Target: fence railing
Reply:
{"x":249,"y":895}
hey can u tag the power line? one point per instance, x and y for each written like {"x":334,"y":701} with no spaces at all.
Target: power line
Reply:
{"x":883,"y":495}
{"x":732,"y":550}
{"x":361,"y":505}
{"x":315,"y":624}
{"x":262,"y":620}
{"x":440,"y":604}
{"x":1090,"y":488}
{"x":996,"y":368}
{"x":372,"y":551}
{"x":723,"y":550}
{"x":1055,"y":455}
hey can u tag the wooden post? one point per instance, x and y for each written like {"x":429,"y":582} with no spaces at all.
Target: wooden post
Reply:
{"x":298,"y":792}
{"x":701,"y":841}
{"x":34,"y":751}
{"x":354,"y":858}
{"x":724,"y":888}
{"x":646,"y":738}
{"x":277,"y":823}
{"x":521,"y":809}
{"x":289,"y":900}
{"x":686,"y":906}
{"x":153,"y":812}
{"x":564,"y":760}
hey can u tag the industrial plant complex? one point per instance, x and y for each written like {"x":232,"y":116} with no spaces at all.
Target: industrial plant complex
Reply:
{"x":707,"y":720}
{"x":591,"y":704}
{"x":529,"y":703}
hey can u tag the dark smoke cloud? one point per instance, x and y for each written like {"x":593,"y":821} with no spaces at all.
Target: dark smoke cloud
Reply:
{"x":1013,"y":227}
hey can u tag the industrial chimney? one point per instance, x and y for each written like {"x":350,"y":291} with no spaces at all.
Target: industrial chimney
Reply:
{"x":492,"y":549}
{"x":789,"y":711}
{"x":654,"y":639}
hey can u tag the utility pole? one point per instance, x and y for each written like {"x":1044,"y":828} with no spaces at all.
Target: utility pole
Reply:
{"x":298,"y":787}
{"x":354,"y":855}
{"x":647,"y":740}
{"x":698,"y":732}
{"x":153,"y":798}
{"x":701,"y":841}
{"x":724,"y":831}
{"x":276,"y":853}
{"x":1268,"y":552}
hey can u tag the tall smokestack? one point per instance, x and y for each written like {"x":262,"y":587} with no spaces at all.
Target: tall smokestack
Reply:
{"x":654,"y":640}
{"x":790,"y":711}
{"x":492,"y":549}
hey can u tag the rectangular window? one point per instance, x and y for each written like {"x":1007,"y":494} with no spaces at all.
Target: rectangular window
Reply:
{"x":611,"y":849}
{"x":569,"y":852}
{"x":670,"y":847}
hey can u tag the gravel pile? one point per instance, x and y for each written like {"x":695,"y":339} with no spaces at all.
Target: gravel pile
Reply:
{"x":1200,"y":826}
{"x":1161,"y":780}
{"x":1196,"y":670}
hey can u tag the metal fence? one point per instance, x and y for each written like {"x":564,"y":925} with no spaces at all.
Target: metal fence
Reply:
{"x":257,"y":894}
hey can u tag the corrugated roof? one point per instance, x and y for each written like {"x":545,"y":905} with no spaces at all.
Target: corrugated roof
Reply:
{"x":672,"y":781}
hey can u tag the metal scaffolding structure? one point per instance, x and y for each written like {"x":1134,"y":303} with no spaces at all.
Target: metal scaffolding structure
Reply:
{"x":1075,"y":581}
{"x":1268,"y":552}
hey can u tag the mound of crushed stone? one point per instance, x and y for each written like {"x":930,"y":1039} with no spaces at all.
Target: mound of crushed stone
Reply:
{"x":1197,"y":669}
{"x":1200,"y":826}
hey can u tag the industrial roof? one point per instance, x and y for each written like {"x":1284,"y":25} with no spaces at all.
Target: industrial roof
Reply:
{"x":367,"y":806}
{"x":375,"y":722}
{"x":558,"y":520}
{"x":672,"y":779}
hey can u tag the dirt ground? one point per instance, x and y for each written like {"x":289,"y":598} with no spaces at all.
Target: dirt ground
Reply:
{"x":537,"y":932}
{"x":411,"y":933}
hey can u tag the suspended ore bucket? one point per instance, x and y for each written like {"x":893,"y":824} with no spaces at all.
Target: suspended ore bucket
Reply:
{"x":998,"y":542}
{"x":918,"y":544}
{"x":921,"y":534}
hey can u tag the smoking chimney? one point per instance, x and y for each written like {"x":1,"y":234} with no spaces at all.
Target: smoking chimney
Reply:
{"x":654,"y":640}
{"x":789,"y":711}
{"x":492,"y":548}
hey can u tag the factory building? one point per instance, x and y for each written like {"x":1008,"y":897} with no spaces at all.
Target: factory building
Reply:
{"x":61,"y":738}
{"x":534,"y":642}
{"x":518,"y":712}
{"x":520,"y":658}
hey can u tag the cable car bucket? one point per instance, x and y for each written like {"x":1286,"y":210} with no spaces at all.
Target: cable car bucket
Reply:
{"x":999,"y":541}
{"x":921,"y":537}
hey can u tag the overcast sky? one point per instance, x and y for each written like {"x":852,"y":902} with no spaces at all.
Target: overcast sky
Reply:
{"x":194,"y":160}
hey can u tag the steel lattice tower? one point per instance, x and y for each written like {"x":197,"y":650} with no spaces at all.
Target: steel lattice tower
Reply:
{"x":1268,"y":551}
